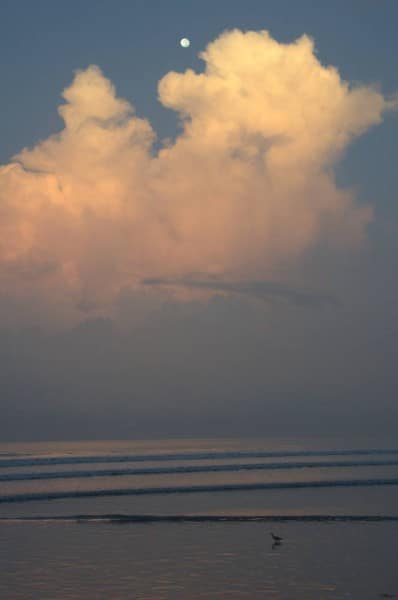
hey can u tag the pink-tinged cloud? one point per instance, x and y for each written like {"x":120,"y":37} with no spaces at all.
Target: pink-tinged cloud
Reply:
{"x":247,"y":188}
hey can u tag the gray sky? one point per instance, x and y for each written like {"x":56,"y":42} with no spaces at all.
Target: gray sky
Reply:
{"x":236,"y":278}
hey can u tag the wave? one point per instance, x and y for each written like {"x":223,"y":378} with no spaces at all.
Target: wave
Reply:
{"x":193,"y":489}
{"x":125,"y":518}
{"x":30,"y":476}
{"x":118,"y":458}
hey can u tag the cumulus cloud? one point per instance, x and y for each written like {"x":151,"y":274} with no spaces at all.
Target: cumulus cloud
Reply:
{"x":245,"y":190}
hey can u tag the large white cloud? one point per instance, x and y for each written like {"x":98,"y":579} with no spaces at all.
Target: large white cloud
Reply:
{"x":247,"y":187}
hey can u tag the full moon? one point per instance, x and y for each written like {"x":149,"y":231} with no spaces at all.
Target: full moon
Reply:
{"x":185,"y":43}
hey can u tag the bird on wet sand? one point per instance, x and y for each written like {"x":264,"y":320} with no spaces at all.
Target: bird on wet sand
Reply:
{"x":276,"y":538}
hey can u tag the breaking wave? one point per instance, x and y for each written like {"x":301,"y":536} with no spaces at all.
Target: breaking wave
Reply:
{"x":126,"y":518}
{"x":208,"y":468}
{"x":120,"y":458}
{"x":193,"y":489}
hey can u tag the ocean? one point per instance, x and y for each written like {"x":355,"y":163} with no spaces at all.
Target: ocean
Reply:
{"x":186,"y":519}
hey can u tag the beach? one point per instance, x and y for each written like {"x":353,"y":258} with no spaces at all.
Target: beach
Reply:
{"x":195,"y":520}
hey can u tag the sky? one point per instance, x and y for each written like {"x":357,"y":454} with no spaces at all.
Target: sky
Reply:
{"x":198,"y":241}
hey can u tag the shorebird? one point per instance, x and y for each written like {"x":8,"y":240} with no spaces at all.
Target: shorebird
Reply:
{"x":276,"y":538}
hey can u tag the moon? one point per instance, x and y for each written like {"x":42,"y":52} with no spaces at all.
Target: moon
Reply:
{"x":185,"y":43}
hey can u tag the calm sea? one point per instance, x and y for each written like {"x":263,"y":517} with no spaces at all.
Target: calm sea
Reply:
{"x":187,"y":519}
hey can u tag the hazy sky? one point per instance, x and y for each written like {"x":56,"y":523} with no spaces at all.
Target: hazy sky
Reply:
{"x":198,"y":241}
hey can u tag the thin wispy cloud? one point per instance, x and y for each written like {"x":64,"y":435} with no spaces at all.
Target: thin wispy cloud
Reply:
{"x":264,"y":290}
